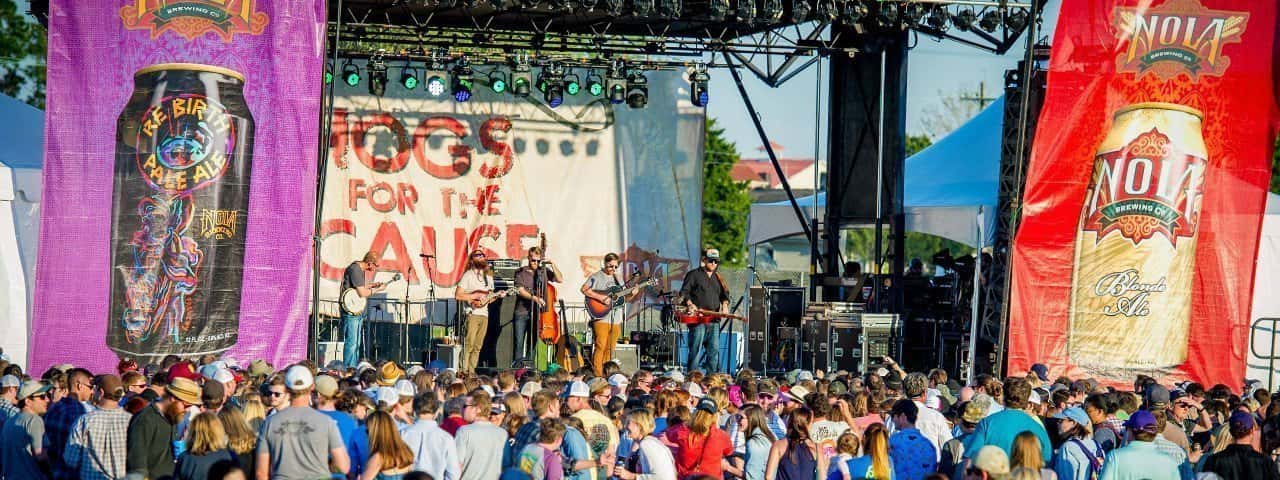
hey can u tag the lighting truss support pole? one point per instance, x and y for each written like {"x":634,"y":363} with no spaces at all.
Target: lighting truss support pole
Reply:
{"x":773,"y":157}
{"x":326,"y":127}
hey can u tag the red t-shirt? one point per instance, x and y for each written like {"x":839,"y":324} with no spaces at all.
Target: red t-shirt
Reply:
{"x":700,"y":454}
{"x":452,"y":424}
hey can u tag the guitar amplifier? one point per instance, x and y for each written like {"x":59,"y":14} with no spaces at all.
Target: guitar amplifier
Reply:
{"x":758,"y":330}
{"x":846,"y":346}
{"x":815,"y":348}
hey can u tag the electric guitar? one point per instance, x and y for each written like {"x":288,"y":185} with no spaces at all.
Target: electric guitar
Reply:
{"x":489,"y":297}
{"x":698,"y":316}
{"x":355,"y":304}
{"x":616,"y":297}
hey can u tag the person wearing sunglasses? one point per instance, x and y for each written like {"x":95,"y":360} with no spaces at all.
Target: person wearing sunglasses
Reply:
{"x":357,"y":276}
{"x":605,"y":330}
{"x":704,"y":289}
{"x":22,"y":452}
{"x":474,"y":289}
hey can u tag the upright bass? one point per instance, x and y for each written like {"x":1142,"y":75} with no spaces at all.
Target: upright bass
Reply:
{"x":548,"y":321}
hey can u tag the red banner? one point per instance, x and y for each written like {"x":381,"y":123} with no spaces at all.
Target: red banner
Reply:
{"x":1146,"y":190}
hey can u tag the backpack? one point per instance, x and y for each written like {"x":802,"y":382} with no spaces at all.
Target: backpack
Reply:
{"x":1095,"y":458}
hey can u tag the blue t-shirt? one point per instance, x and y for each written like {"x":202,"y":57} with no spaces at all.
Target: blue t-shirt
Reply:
{"x":913,"y":455}
{"x":575,"y":449}
{"x":1002,"y":428}
{"x":860,"y":467}
{"x":659,"y":426}
{"x":353,"y":437}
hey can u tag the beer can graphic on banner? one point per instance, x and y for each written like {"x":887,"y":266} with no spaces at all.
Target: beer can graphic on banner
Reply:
{"x":184,"y":144}
{"x":1136,"y":242}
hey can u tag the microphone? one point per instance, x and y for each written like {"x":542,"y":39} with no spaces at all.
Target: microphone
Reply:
{"x":426,"y":255}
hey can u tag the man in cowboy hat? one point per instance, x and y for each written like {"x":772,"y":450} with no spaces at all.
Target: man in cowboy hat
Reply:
{"x":151,"y":432}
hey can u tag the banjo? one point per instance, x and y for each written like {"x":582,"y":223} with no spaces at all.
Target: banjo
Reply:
{"x":355,"y":304}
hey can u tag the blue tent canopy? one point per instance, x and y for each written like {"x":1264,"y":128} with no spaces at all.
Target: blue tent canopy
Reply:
{"x":950,"y":187}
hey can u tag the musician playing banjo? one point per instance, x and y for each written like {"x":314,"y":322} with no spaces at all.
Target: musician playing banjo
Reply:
{"x":704,"y":289}
{"x":357,"y":277}
{"x":605,"y":330}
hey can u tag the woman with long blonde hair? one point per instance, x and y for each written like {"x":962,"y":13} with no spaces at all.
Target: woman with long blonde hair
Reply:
{"x":255,"y":412}
{"x":241,"y":439}
{"x":874,"y":464}
{"x":703,"y":447}
{"x":1027,"y":460}
{"x":389,"y":457}
{"x":206,"y":447}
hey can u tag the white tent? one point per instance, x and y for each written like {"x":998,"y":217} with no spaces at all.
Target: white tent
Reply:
{"x":951,"y":187}
{"x":1264,"y":344}
{"x":20,"y":165}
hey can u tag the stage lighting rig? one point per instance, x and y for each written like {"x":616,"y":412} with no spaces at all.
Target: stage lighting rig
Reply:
{"x":435,"y":77}
{"x":615,"y":8}
{"x":938,"y":18}
{"x":964,"y":19}
{"x":698,"y":79}
{"x":851,"y":11}
{"x":746,"y":11}
{"x":497,"y":82}
{"x":770,"y":11}
{"x":595,"y":85}
{"x":889,"y":15}
{"x":641,"y":8}
{"x":350,"y":73}
{"x":521,"y":78}
{"x":377,"y":75}
{"x":637,"y":90}
{"x":800,"y":11}
{"x":990,"y":21}
{"x":461,"y":83}
{"x":1016,"y":20}
{"x":670,"y":8}
{"x":409,"y":77}
{"x":551,"y":83}
{"x":717,"y":9}
{"x":914,"y":13}
{"x":617,"y":84}
{"x":572,"y":84}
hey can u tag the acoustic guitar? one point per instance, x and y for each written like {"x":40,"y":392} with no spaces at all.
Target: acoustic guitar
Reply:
{"x":616,"y":297}
{"x":569,"y":352}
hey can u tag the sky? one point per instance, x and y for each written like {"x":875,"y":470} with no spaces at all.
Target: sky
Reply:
{"x":934,"y":70}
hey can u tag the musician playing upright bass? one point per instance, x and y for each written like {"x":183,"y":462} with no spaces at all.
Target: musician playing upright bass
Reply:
{"x":473,"y":289}
{"x":607,"y":329}
{"x":531,"y":287}
{"x":704,"y":289}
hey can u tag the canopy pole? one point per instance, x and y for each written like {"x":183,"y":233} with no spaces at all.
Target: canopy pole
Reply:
{"x":974,"y":310}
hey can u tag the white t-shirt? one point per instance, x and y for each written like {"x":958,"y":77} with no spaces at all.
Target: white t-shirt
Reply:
{"x":472,"y":281}
{"x":825,"y":433}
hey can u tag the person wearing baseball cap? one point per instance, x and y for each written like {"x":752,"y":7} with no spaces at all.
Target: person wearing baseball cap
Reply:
{"x":99,"y":441}
{"x":1080,"y":455}
{"x":705,"y":289}
{"x":294,"y":437}
{"x":8,"y":397}
{"x":1140,"y":458}
{"x":1240,"y":459}
{"x":22,"y":447}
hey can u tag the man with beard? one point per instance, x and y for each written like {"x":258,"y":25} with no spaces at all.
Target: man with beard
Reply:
{"x":704,"y":289}
{"x":531,"y":285}
{"x":357,"y":276}
{"x":473,"y":288}
{"x":151,"y":432}
{"x":605,"y":330}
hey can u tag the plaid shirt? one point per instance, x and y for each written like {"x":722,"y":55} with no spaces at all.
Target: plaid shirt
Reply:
{"x":7,"y":410}
{"x":57,"y":423}
{"x":97,"y":445}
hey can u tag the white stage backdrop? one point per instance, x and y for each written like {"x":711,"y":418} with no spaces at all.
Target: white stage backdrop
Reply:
{"x":409,"y":174}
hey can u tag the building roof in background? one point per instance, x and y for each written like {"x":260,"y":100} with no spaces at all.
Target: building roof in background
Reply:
{"x":761,"y":170}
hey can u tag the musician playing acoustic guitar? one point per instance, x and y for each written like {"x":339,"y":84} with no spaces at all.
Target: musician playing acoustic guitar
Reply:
{"x":704,"y":289}
{"x":474,"y":288}
{"x":357,"y":276}
{"x":531,"y":281}
{"x":605,"y":330}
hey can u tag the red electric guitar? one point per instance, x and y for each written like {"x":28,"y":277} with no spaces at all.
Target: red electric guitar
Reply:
{"x":699,"y":316}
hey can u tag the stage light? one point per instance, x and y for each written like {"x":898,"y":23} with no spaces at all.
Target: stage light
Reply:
{"x":350,"y":73}
{"x":617,"y":84}
{"x":461,"y":84}
{"x":990,"y":21}
{"x":698,"y":92}
{"x":964,"y":19}
{"x":500,"y":5}
{"x":571,"y":84}
{"x":746,"y":11}
{"x":614,"y":7}
{"x":1016,"y":20}
{"x":551,"y":83}
{"x":435,"y":86}
{"x":497,"y":82}
{"x":521,"y":79}
{"x":595,"y":86}
{"x":937,"y":18}
{"x":800,"y":11}
{"x":717,"y":9}
{"x":377,"y":75}
{"x":889,"y":15}
{"x":328,"y":73}
{"x":914,"y":13}
{"x":409,"y":77}
{"x":641,"y":8}
{"x":670,"y":8}
{"x":588,"y":5}
{"x":637,"y":90}
{"x":770,"y":11}
{"x":852,"y":12}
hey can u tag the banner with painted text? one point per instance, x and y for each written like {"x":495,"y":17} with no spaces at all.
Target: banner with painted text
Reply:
{"x":422,"y":181}
{"x":1146,"y":190}
{"x":179,"y":180}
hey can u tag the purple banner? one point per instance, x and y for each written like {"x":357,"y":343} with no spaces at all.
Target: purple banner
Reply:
{"x":179,"y":180}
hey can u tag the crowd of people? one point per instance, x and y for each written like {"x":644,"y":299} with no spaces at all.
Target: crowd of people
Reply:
{"x":214,"y":419}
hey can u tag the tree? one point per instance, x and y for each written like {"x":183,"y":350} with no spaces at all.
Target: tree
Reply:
{"x":949,"y":113}
{"x":916,"y":143}
{"x":725,"y":203}
{"x":22,"y":55}
{"x":1275,"y":168}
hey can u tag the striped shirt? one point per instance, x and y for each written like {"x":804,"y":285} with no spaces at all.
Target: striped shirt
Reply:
{"x":97,"y":444}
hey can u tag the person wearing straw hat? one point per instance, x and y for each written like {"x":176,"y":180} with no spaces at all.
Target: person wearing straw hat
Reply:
{"x":151,"y":432}
{"x":22,"y":452}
